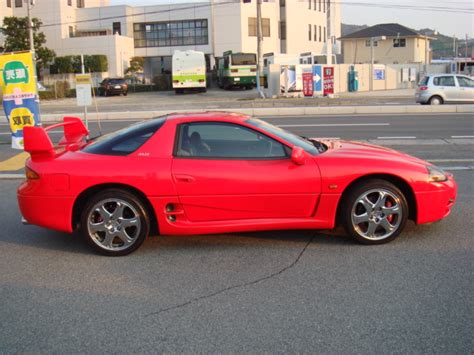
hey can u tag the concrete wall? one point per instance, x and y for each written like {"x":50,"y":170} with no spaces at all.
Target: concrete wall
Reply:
{"x":356,"y":51}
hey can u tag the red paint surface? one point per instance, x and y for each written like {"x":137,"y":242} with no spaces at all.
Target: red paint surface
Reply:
{"x":217,"y":196}
{"x":328,"y":80}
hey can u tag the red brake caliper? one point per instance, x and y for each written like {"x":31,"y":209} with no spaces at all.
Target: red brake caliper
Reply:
{"x":389,"y":204}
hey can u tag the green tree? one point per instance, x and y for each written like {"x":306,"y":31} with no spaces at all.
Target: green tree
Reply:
{"x":15,"y":30}
{"x":136,"y":66}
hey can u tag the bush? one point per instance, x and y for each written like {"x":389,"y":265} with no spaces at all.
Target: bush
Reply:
{"x":162,"y":82}
{"x":97,"y":63}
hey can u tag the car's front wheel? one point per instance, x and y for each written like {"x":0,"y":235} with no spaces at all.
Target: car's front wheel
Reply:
{"x":115,"y":222}
{"x":374,"y":212}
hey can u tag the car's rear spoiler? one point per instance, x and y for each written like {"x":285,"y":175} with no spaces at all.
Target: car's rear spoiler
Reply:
{"x":39,"y":145}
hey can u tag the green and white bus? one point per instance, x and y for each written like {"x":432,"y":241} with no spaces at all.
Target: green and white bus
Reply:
{"x":189,"y":71}
{"x":237,"y":69}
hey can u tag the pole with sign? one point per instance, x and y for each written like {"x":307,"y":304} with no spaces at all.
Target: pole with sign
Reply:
{"x":83,"y":93}
{"x":20,"y":93}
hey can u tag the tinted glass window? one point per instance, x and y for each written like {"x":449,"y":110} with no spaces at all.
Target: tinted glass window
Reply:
{"x":285,"y":135}
{"x":444,"y":81}
{"x":424,"y":81}
{"x":244,"y":59}
{"x":226,"y":140}
{"x":125,"y":141}
{"x":117,"y":81}
{"x":465,"y":82}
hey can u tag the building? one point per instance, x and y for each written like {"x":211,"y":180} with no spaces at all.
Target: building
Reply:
{"x":154,"y":32}
{"x":401,"y":45}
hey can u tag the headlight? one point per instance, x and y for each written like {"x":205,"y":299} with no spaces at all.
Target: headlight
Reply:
{"x":436,"y":174}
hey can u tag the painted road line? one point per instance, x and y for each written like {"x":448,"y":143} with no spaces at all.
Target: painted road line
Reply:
{"x":457,"y":168}
{"x":450,"y":160}
{"x":401,"y":137}
{"x":334,"y":125}
{"x":14,"y":163}
{"x":462,"y":136}
{"x":11,"y":176}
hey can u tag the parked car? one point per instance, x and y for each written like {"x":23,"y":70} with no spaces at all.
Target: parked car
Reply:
{"x":445,"y":88}
{"x":219,"y":172}
{"x":113,"y":86}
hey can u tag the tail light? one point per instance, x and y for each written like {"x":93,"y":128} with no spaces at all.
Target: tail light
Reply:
{"x":175,"y":81}
{"x":201,"y":80}
{"x":253,"y":70}
{"x":234,"y":70}
{"x":423,"y":88}
{"x":31,"y":174}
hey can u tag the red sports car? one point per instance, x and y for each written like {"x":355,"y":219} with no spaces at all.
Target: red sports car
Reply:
{"x":220,"y":172}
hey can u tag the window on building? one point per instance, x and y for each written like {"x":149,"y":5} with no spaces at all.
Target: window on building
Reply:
{"x":444,"y":81}
{"x":367,"y":43}
{"x":320,"y":34}
{"x":325,"y":36}
{"x":18,"y":3}
{"x":71,"y":31}
{"x":253,"y":27}
{"x":399,"y":42}
{"x":282,"y":3}
{"x":309,"y":4}
{"x":80,"y":4}
{"x":171,"y":33}
{"x":69,"y":2}
{"x":324,"y":5}
{"x":315,"y":2}
{"x":117,"y":28}
{"x":9,"y":3}
{"x":309,"y":33}
{"x":315,"y":36}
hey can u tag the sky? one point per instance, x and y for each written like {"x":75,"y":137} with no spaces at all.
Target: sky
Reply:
{"x":449,"y":17}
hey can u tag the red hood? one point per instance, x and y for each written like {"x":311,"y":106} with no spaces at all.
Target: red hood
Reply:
{"x":366,"y":150}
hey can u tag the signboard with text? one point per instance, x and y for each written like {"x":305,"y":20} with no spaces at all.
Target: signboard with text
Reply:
{"x":328,"y":81}
{"x":317,"y":78}
{"x":20,"y":93}
{"x":308,"y":83}
{"x":83,"y":89}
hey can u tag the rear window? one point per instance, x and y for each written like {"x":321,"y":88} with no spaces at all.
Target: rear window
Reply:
{"x":127,"y":140}
{"x":117,"y":81}
{"x":424,"y":81}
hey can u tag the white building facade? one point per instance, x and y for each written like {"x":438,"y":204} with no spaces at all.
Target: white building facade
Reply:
{"x":154,"y":32}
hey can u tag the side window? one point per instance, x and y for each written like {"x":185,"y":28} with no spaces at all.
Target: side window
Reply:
{"x":465,"y":82}
{"x":444,"y":81}
{"x":227,"y":141}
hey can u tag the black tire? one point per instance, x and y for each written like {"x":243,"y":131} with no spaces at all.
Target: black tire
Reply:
{"x":360,"y":212}
{"x":125,"y":93}
{"x":120,"y":228}
{"x":436,"y":100}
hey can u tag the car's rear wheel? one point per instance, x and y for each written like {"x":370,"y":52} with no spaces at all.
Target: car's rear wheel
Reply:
{"x":436,"y":100}
{"x":374,"y":212}
{"x":115,"y":222}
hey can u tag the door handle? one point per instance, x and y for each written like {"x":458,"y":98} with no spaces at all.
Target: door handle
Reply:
{"x":184,"y":178}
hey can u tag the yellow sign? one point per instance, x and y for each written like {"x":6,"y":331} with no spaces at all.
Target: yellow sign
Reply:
{"x":21,"y":117}
{"x":83,"y":79}
{"x":17,"y":73}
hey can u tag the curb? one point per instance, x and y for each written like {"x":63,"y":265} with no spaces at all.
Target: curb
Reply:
{"x":276,"y":111}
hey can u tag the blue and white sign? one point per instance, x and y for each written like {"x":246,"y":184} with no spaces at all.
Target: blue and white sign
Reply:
{"x":317,"y":78}
{"x":379,"y":74}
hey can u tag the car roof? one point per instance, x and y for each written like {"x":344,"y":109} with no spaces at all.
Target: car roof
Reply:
{"x":208,"y":116}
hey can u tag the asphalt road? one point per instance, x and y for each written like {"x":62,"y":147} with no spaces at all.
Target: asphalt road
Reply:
{"x":275,"y":292}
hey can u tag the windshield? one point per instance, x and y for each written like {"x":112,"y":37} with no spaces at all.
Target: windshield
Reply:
{"x":117,"y":81}
{"x":285,"y":135}
{"x":244,"y":59}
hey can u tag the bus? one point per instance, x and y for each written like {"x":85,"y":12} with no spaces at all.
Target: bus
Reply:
{"x":237,"y":69}
{"x":189,"y":71}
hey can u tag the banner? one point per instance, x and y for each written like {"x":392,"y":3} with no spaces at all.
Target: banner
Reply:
{"x":328,"y":81}
{"x":20,"y":94}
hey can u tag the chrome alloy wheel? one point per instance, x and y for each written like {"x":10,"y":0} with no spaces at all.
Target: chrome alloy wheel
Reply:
{"x":113,"y":224}
{"x":376,"y":214}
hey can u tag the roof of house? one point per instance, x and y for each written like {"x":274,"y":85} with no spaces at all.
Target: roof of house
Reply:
{"x":384,"y":29}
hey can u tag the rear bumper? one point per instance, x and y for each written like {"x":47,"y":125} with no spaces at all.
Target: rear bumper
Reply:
{"x":421,"y":98}
{"x":437,"y":204}
{"x":45,"y":211}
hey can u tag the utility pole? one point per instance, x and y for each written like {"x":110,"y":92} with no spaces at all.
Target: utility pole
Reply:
{"x":329,"y":42}
{"x":30,"y":24}
{"x":259,"y":47}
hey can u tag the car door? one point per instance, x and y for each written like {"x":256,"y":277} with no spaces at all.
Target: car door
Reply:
{"x":466,"y":87}
{"x":226,"y":171}
{"x":447,"y":85}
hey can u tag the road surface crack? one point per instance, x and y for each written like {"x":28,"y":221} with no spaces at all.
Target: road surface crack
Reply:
{"x":241,"y":285}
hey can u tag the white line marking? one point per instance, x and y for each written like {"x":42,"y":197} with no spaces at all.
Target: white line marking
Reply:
{"x":399,"y":137}
{"x":450,"y":160}
{"x":11,"y":176}
{"x":462,"y":136}
{"x":368,"y":114}
{"x":326,"y":138}
{"x":457,"y":168}
{"x":334,"y":125}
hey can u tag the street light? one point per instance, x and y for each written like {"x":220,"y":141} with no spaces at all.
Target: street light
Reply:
{"x":372,"y":40}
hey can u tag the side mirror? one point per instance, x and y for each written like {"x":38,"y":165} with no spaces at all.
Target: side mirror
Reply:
{"x":298,"y":156}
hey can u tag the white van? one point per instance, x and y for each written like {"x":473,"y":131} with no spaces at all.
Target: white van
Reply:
{"x":189,"y":71}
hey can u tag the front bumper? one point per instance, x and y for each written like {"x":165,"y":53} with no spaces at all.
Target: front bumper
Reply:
{"x":436,"y":204}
